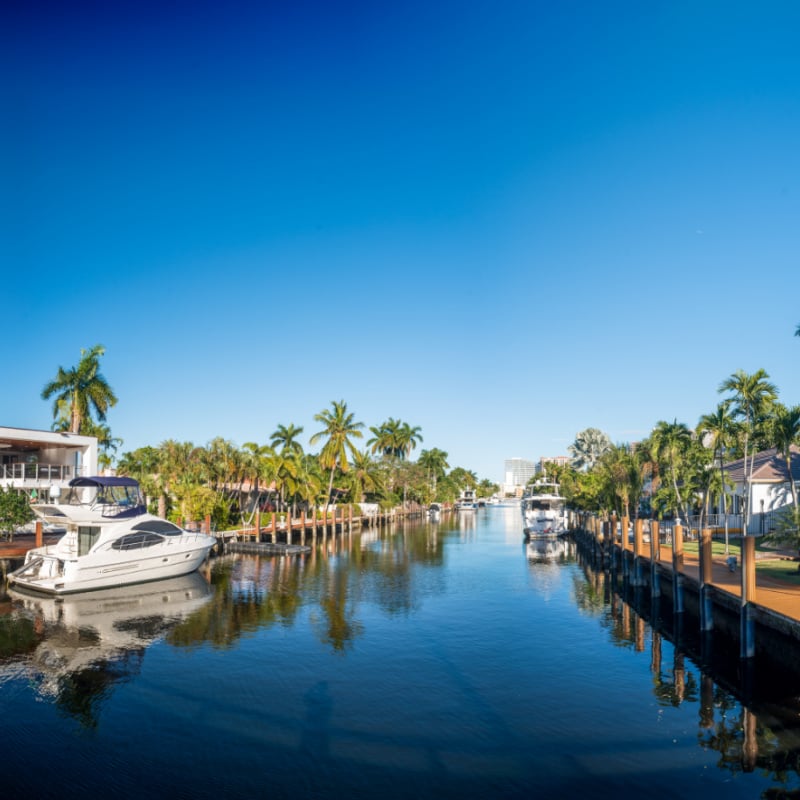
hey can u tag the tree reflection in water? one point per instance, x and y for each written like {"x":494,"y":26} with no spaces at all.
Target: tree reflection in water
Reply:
{"x":760,"y":734}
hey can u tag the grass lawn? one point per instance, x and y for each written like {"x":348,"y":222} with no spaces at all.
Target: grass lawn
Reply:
{"x":783,"y":570}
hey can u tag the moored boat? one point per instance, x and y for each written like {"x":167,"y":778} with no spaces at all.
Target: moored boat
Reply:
{"x":467,"y":501}
{"x":544,"y":513}
{"x":110,"y":540}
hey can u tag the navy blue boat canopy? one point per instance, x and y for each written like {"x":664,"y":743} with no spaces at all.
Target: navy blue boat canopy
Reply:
{"x":104,"y":480}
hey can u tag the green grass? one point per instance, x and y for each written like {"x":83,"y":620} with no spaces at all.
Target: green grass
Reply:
{"x":781,"y":569}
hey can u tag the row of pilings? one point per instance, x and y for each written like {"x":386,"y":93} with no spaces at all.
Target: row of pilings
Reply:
{"x":626,"y":547}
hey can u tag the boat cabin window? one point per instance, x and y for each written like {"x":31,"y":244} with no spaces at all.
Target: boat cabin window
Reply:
{"x":135,"y":541}
{"x":122,"y":496}
{"x":158,"y":526}
{"x":87,"y":538}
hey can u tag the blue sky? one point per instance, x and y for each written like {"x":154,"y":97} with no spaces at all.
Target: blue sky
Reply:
{"x":501,"y":221}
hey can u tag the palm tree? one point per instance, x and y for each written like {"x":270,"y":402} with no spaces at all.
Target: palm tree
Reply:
{"x":435,"y":462}
{"x":751,"y":394}
{"x":339,"y":427}
{"x":286,"y":437}
{"x":366,"y":476}
{"x":407,"y":438}
{"x":81,"y":389}
{"x":720,"y":430}
{"x":785,"y":427}
{"x":670,"y":442}
{"x":589,"y":445}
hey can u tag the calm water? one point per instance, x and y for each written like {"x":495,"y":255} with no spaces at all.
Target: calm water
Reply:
{"x":421,"y":661}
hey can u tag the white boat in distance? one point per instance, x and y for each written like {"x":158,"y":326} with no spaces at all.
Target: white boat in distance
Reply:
{"x":467,"y":501}
{"x":111,"y":540}
{"x":544,"y":513}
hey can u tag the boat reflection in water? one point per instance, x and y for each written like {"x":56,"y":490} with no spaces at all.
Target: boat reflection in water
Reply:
{"x":550,"y":548}
{"x":101,"y":634}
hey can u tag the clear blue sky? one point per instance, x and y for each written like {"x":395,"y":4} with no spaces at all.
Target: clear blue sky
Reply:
{"x":501,"y":221}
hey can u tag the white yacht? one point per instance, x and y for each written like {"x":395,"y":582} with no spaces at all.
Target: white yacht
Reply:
{"x":111,"y":540}
{"x":467,"y":501}
{"x":544,"y":513}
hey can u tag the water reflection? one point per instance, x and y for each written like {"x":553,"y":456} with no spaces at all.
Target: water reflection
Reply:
{"x":749,"y":731}
{"x":75,"y":648}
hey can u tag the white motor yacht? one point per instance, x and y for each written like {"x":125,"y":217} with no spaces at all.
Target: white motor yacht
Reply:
{"x":544,"y":512}
{"x":111,"y":540}
{"x":467,"y":501}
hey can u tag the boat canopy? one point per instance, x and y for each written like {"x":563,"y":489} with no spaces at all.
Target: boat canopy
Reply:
{"x":104,"y":480}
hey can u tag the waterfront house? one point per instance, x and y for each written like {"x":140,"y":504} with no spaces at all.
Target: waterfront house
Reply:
{"x":42,"y":463}
{"x":770,"y":488}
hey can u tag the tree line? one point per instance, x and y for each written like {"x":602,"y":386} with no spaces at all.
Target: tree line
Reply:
{"x":229,"y":482}
{"x":679,"y":470}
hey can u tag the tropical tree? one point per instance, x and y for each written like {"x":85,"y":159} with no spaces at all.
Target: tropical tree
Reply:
{"x":587,"y":448}
{"x":622,"y":479}
{"x":785,"y":429}
{"x":751,"y":395}
{"x":366,"y":476}
{"x":670,"y":443}
{"x":15,"y":511}
{"x":718,"y":430}
{"x":286,"y":438}
{"x":435,"y":462}
{"x":340,"y":427}
{"x":407,"y":439}
{"x":80,"y":390}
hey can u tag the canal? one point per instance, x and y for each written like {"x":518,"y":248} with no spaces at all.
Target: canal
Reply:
{"x":421,"y":660}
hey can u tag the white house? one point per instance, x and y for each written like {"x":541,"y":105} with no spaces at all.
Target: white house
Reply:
{"x":44,"y":462}
{"x":770,"y":489}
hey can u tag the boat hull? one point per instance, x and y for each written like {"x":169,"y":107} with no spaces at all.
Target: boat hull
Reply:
{"x":46,"y":573}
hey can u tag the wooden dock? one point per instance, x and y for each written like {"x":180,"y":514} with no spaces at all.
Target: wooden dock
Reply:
{"x":712,"y":584}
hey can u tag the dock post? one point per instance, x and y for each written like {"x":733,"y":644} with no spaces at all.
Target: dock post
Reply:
{"x":258,"y":526}
{"x":748,"y":597}
{"x":677,"y":569}
{"x":207,"y":528}
{"x":706,"y":608}
{"x":612,"y":541}
{"x":38,"y":536}
{"x":350,"y":517}
{"x":626,"y":564}
{"x":274,"y":527}
{"x":303,"y":526}
{"x":655,"y":555}
{"x":638,"y":552}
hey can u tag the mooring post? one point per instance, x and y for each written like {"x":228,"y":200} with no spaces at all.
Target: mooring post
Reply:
{"x":274,"y":527}
{"x":706,"y":609}
{"x":612,"y":540}
{"x":677,"y":567}
{"x":350,"y":517}
{"x":38,"y":536}
{"x":638,"y":552}
{"x":626,"y":566}
{"x":655,"y":555}
{"x":258,"y":526}
{"x":303,"y":526}
{"x":748,"y":597}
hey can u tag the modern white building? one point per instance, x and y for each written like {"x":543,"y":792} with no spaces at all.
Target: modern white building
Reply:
{"x":517,"y":473}
{"x":42,"y":463}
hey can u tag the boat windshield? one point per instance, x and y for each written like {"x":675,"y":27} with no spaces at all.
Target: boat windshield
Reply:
{"x":119,"y":496}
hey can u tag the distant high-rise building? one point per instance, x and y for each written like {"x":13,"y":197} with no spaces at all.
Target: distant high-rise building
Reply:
{"x":560,"y":461}
{"x":517,"y":473}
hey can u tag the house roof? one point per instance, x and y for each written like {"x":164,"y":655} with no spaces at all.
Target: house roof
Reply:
{"x":769,"y":466}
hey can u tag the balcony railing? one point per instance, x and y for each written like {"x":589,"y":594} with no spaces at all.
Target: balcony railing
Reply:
{"x":37,"y":472}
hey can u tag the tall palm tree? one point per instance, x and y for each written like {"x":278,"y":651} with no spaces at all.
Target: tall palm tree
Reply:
{"x":82,"y":388}
{"x":286,"y":437}
{"x":785,"y":428}
{"x":751,"y":394}
{"x":407,"y":438}
{"x":670,"y":442}
{"x":435,"y":462}
{"x":366,"y":476}
{"x":339,"y":428}
{"x":719,"y":428}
